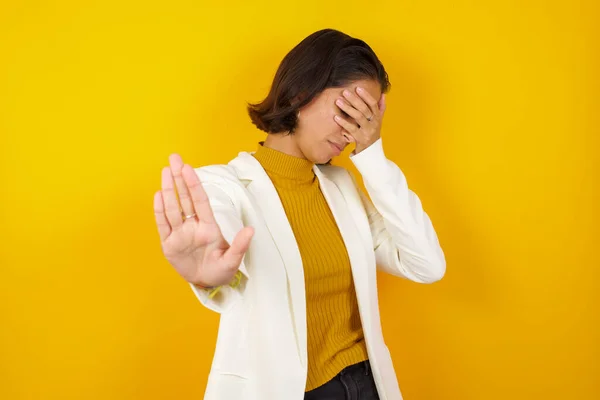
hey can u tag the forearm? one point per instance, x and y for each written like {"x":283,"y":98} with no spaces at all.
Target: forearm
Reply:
{"x":405,"y":241}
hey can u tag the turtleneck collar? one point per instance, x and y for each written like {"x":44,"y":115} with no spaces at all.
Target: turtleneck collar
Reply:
{"x":283,"y":165}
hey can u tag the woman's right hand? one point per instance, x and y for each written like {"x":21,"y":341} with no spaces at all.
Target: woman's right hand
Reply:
{"x":195,"y":245}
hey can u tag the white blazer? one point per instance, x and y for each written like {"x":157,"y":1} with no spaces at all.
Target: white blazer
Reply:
{"x":261,"y":350}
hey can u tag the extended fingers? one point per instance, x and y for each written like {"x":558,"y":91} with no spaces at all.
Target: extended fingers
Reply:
{"x":352,"y":112}
{"x":164,"y":228}
{"x":366,"y":97}
{"x":199,"y":198}
{"x":176,"y":164}
{"x":171,"y":204}
{"x":349,"y":127}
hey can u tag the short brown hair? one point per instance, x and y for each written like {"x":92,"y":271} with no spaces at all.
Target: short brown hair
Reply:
{"x":326,"y":58}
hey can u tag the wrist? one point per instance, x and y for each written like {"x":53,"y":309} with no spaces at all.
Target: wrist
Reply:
{"x":360,"y":147}
{"x":202,"y":285}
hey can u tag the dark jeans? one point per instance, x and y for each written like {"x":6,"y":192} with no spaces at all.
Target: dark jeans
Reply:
{"x":353,"y":383}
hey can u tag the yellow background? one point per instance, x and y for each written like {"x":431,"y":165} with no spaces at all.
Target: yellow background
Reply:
{"x":493,"y":116}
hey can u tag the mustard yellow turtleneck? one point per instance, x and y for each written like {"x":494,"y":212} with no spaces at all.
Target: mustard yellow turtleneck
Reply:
{"x":335,"y":336}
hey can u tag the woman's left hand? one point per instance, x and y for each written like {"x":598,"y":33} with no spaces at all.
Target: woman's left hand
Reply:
{"x":367,"y":114}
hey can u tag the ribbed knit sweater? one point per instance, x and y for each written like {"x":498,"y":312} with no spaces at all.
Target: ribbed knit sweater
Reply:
{"x":334,"y":337}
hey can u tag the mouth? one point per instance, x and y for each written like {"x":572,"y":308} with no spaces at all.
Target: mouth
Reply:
{"x":337,"y":147}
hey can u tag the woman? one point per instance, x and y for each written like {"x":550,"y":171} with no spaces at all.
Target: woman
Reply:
{"x":285,"y":246}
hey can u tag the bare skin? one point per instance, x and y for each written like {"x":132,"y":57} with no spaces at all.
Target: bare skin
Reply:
{"x":195,"y":246}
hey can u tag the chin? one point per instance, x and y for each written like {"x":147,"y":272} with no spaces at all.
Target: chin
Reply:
{"x":323,"y":161}
{"x":320,"y":157}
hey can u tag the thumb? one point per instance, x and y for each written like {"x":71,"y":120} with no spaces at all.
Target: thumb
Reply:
{"x":239,"y":246}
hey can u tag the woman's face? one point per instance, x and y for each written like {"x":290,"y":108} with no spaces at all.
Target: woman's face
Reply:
{"x":318,"y":137}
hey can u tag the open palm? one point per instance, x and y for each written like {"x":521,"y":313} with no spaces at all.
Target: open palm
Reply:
{"x":190,"y":237}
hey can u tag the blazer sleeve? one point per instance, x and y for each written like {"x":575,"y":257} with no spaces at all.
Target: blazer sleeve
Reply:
{"x":404,"y":239}
{"x":230,"y":222}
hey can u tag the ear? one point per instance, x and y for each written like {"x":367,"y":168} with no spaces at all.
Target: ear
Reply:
{"x":382,"y":104}
{"x":298,"y":98}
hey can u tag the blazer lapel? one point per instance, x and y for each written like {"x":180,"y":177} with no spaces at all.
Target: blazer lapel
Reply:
{"x":354,"y":244}
{"x":267,"y":200}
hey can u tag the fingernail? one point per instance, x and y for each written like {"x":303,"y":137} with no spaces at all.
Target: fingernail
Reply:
{"x":360,"y":89}
{"x":339,"y":102}
{"x":346,"y":93}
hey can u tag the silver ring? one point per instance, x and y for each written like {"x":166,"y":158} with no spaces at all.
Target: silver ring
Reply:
{"x":189,"y":216}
